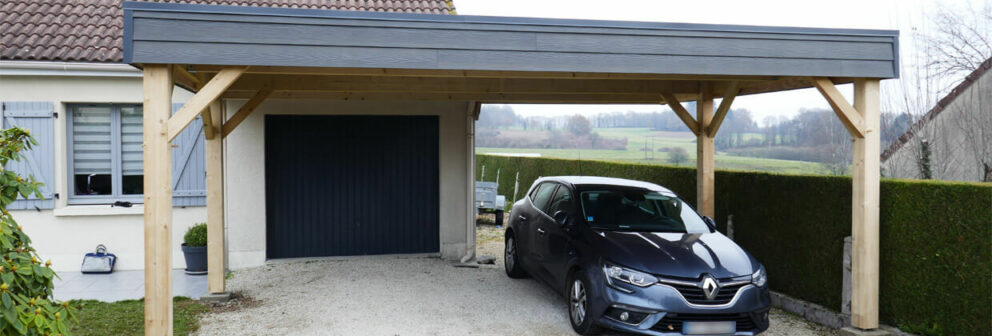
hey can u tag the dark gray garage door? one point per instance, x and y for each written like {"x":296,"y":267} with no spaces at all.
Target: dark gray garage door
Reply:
{"x":351,"y":185}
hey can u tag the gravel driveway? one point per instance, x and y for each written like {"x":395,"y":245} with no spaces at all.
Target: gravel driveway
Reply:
{"x":406,"y":296}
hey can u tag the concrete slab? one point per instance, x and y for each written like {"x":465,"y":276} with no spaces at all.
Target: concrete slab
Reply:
{"x":122,"y":285}
{"x":216,"y":297}
{"x":852,"y":331}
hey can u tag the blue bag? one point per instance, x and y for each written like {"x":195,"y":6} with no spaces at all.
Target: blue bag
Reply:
{"x":99,"y":262}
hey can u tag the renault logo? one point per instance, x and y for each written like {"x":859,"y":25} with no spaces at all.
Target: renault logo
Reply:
{"x":710,"y":287}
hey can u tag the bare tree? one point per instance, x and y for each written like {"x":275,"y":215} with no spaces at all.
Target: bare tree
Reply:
{"x":957,"y":42}
{"x":960,"y":41}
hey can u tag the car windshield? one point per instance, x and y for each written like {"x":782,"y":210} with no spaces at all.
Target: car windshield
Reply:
{"x":639,"y":210}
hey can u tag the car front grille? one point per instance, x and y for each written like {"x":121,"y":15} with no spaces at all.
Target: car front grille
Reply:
{"x":672,"y":322}
{"x":694,"y":294}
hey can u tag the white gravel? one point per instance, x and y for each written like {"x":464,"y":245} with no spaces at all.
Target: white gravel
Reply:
{"x":406,"y":296}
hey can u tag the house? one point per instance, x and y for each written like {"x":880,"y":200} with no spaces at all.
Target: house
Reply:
{"x":952,"y":141}
{"x":62,"y":77}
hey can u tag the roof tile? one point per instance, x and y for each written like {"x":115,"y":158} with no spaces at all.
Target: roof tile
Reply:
{"x":92,"y":30}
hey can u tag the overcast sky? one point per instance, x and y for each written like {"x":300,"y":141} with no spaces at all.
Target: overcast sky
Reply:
{"x":902,"y":15}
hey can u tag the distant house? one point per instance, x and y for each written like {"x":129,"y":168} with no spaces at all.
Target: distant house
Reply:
{"x":62,"y":76}
{"x":953,"y":141}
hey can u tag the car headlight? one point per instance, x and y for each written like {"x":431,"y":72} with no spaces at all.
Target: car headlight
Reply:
{"x":636,"y":278}
{"x":759,"y":278}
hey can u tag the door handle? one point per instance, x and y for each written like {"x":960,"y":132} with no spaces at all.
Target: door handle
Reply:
{"x":522,"y":218}
{"x":540,"y":231}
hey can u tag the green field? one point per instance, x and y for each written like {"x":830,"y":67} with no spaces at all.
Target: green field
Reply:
{"x":638,"y":137}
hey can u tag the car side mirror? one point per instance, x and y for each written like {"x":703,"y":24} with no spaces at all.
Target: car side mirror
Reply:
{"x":561,"y":217}
{"x":709,"y":222}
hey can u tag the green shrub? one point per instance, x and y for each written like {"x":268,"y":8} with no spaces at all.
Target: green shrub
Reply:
{"x":935,"y":253}
{"x":27,"y":306}
{"x":196,"y":235}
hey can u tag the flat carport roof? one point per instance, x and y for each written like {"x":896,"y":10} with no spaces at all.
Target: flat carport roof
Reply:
{"x":250,"y":52}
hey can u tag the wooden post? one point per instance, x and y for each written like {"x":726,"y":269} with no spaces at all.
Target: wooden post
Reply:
{"x":215,"y":202}
{"x":157,"y":88}
{"x":864,"y":218}
{"x":704,"y":153}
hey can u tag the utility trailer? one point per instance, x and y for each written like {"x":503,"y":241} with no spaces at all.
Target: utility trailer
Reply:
{"x":488,"y":199}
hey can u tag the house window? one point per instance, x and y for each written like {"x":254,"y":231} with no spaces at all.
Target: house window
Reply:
{"x":105,"y":153}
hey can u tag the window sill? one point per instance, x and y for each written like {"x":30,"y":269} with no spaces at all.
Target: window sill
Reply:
{"x":99,"y":210}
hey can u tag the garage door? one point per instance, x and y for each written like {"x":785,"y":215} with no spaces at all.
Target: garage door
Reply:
{"x":350,"y":185}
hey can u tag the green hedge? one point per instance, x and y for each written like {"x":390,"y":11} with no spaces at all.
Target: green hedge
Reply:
{"x":935,"y":249}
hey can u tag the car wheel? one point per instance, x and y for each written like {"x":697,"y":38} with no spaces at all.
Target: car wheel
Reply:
{"x":511,"y":261}
{"x":578,"y":305}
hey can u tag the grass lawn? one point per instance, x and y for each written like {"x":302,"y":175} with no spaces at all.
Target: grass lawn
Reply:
{"x":637,"y":138}
{"x":127,"y":317}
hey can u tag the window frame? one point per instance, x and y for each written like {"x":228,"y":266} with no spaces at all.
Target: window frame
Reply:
{"x":549,"y":184}
{"x":116,"y":158}
{"x":551,"y":202}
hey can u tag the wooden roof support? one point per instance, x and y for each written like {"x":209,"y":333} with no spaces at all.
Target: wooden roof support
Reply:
{"x":157,"y":86}
{"x":216,"y":241}
{"x":681,"y":112}
{"x":865,"y":176}
{"x":492,"y":97}
{"x":705,"y":167}
{"x":210,"y":91}
{"x":383,"y":72}
{"x":245,"y":110}
{"x":355,"y":84}
{"x":851,"y":119}
{"x":721,"y":112}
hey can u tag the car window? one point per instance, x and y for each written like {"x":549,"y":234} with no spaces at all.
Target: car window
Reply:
{"x":639,"y":210}
{"x":561,"y":201}
{"x":543,"y":195}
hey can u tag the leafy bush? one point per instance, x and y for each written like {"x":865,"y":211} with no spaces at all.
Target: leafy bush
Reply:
{"x":26,"y":302}
{"x":196,"y":235}
{"x":935,"y":254}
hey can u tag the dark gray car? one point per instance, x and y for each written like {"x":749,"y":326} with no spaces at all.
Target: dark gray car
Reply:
{"x":632,"y":256}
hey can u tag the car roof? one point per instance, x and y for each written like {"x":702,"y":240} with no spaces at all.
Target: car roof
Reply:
{"x":611,"y":181}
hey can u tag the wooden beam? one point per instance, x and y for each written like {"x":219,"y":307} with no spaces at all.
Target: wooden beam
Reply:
{"x":704,"y":154}
{"x":215,"y":204}
{"x":481,"y":97}
{"x":245,"y":111}
{"x":186,"y":79}
{"x":309,"y":83}
{"x":865,"y":175}
{"x":680,"y":111}
{"x":851,"y":119}
{"x":721,"y":112}
{"x":202,"y":99}
{"x":284,"y":70}
{"x":157,"y":90}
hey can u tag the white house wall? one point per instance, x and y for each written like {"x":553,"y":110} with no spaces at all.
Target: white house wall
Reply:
{"x":245,"y":170}
{"x":67,"y":232}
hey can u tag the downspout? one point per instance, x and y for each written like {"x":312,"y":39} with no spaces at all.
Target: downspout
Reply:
{"x":470,"y":118}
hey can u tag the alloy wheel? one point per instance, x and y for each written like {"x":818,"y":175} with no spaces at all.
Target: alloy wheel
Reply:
{"x":509,"y":258}
{"x":578,"y":302}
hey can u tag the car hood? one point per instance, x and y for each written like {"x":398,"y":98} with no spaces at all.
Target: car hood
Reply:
{"x":685,"y":255}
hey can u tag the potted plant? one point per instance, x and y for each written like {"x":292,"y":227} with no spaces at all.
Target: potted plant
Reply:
{"x":195,"y":249}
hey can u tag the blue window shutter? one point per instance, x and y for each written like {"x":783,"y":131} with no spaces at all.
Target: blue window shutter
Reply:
{"x":189,"y":171}
{"x":38,"y":118}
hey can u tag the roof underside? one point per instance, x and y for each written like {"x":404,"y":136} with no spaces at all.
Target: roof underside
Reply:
{"x":500,"y":57}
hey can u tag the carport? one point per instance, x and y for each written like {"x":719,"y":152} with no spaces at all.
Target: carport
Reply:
{"x":223,"y":52}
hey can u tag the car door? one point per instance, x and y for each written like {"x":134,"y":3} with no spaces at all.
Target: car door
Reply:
{"x":555,"y":239}
{"x":534,"y":222}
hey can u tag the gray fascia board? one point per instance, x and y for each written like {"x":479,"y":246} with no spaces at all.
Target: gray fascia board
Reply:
{"x":522,"y":27}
